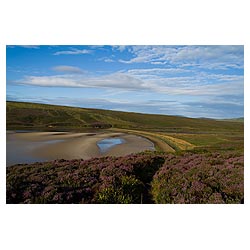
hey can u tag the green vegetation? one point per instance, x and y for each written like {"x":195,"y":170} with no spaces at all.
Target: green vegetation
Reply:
{"x":240,"y":119}
{"x":169,"y":133}
{"x":31,"y":115}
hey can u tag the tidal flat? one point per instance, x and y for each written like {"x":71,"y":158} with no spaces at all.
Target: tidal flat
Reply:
{"x":29,"y":147}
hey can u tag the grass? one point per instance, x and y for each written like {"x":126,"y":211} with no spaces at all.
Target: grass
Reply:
{"x":168,"y":133}
{"x":22,"y":115}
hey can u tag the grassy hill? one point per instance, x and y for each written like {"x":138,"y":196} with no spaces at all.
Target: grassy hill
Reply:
{"x":21,"y":115}
{"x":169,"y":133}
{"x":240,"y":119}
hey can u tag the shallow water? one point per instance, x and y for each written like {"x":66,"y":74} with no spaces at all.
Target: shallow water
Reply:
{"x":106,"y":144}
{"x":18,"y":151}
{"x":52,"y":141}
{"x":24,"y":148}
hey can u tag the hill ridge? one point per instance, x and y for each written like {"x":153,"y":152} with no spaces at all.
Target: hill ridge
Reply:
{"x":35,"y":115}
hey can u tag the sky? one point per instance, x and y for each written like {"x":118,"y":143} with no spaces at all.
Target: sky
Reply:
{"x":192,"y":81}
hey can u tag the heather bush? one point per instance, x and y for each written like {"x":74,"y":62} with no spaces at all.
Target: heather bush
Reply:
{"x":137,"y":178}
{"x":125,"y":190}
{"x":98,"y":180}
{"x":207,"y":178}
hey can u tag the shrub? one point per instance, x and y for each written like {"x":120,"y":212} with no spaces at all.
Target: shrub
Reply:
{"x":125,"y":190}
{"x":137,"y":178}
{"x":197,"y":179}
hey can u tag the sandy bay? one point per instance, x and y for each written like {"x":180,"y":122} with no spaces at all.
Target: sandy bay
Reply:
{"x":28,"y":147}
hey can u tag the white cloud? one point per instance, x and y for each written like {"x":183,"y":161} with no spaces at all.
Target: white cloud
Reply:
{"x":159,"y":63}
{"x":30,"y":46}
{"x":133,"y":80}
{"x":210,"y":57}
{"x":108,"y":60}
{"x":73,"y":51}
{"x":157,"y":71}
{"x":116,"y":80}
{"x":67,"y":69}
{"x":121,"y":48}
{"x":24,"y":46}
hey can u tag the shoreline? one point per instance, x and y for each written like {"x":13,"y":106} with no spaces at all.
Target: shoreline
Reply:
{"x":46,"y":146}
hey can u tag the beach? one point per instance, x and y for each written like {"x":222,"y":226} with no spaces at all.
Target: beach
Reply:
{"x":28,"y":147}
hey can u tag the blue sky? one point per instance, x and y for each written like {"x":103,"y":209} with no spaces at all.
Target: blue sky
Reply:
{"x":193,"y":81}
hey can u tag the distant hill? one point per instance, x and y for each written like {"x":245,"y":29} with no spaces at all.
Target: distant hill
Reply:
{"x":23,"y":115}
{"x":240,"y":119}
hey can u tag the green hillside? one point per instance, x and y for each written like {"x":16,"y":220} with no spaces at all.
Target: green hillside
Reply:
{"x":21,"y":115}
{"x":240,"y":119}
{"x":168,"y":133}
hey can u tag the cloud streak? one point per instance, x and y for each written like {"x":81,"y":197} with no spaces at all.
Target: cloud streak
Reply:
{"x":67,"y":69}
{"x":73,"y":51}
{"x":140,"y":80}
{"x":116,"y":80}
{"x":24,"y":46}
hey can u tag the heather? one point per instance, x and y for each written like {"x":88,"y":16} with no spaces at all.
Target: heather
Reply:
{"x":197,"y":178}
{"x":148,"y":177}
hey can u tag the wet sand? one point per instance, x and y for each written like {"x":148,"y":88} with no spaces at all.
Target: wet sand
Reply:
{"x":42,"y":146}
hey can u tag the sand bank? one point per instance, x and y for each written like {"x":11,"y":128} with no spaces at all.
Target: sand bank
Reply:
{"x":56,"y":145}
